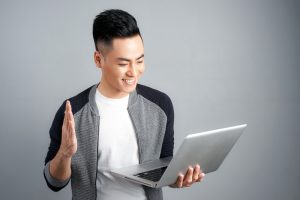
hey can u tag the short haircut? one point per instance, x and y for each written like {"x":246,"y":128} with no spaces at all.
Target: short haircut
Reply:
{"x":111,"y":24}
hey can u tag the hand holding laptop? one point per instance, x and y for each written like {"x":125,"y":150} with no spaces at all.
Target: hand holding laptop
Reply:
{"x":193,"y":175}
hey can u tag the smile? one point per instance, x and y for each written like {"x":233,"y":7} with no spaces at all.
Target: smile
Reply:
{"x":129,"y":81}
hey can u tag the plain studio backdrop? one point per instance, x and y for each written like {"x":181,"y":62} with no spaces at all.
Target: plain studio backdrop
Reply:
{"x":223,"y":63}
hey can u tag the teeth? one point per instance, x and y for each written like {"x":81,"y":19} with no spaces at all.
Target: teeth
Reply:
{"x":129,"y":81}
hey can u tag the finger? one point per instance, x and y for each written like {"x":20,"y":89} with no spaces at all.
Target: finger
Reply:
{"x":71,"y":116}
{"x":71,"y":120}
{"x":65,"y":125}
{"x":201,"y":177}
{"x":65,"y":114}
{"x":196,"y":172}
{"x":68,"y":106}
{"x":71,"y":128}
{"x":179,"y":182}
{"x":188,"y":179}
{"x":69,"y":125}
{"x":69,"y":112}
{"x":68,"y":109}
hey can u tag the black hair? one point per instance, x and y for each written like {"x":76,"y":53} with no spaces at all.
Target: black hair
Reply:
{"x":113,"y":23}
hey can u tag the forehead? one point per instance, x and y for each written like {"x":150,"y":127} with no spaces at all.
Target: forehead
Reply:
{"x":130,"y":48}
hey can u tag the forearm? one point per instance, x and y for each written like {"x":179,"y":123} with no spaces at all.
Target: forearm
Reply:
{"x":57,"y":172}
{"x":60,"y":167}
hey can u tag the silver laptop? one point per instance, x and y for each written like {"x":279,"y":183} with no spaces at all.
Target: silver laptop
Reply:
{"x":208,"y":149}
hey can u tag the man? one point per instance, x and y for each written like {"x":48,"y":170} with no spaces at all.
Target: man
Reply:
{"x":115,"y":123}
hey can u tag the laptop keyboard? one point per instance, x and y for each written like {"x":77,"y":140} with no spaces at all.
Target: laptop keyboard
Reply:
{"x":152,"y":175}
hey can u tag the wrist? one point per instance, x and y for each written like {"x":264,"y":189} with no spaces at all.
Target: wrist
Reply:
{"x":63,"y":157}
{"x":59,"y":167}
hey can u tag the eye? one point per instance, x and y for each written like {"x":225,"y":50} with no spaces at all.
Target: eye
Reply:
{"x":140,"y":62}
{"x":122,"y":64}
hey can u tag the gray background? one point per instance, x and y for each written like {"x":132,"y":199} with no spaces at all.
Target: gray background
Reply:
{"x":223,"y":63}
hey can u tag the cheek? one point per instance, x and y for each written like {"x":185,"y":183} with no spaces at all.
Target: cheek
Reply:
{"x":114,"y":73}
{"x":141,"y":70}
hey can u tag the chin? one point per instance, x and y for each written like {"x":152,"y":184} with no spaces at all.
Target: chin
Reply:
{"x":129,"y":89}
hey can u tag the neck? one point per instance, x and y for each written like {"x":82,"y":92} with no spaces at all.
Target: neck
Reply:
{"x":108,"y":92}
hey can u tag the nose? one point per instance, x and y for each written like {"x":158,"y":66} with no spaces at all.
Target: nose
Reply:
{"x":132,"y":71}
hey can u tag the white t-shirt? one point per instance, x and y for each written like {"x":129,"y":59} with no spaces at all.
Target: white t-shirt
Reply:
{"x":117,"y":148}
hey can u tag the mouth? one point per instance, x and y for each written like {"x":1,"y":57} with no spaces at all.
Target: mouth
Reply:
{"x":129,"y":81}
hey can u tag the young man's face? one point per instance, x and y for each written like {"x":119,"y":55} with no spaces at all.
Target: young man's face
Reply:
{"x":122,"y":65}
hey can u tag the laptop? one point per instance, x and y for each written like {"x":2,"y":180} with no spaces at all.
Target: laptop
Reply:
{"x":208,"y":149}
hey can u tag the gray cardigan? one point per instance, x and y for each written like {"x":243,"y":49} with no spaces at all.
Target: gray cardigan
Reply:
{"x":152,"y":115}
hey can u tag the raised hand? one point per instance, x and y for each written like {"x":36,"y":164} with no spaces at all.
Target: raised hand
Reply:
{"x":68,"y":146}
{"x":60,"y":165}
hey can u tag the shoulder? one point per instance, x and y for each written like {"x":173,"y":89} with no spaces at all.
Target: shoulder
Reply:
{"x":79,"y":100}
{"x":159,"y":98}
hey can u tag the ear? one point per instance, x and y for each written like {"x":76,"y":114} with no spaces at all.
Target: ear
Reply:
{"x":98,"y":59}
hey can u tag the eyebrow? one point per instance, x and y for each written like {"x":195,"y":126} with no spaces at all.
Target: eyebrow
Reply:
{"x":128,"y":60}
